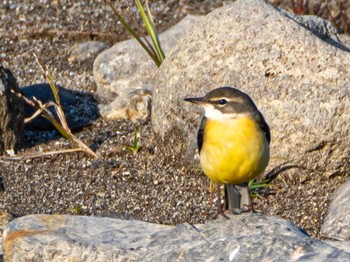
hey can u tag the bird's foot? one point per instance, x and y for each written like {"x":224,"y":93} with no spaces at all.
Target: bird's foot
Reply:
{"x":250,"y":208}
{"x":245,"y":209}
{"x":236,"y":211}
{"x":224,"y":215}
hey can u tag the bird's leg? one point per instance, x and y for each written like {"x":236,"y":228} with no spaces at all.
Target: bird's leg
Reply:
{"x":218,"y":193}
{"x":211,"y":192}
{"x":220,"y":209}
{"x":248,"y":206}
{"x":238,"y":198}
{"x":232,"y":198}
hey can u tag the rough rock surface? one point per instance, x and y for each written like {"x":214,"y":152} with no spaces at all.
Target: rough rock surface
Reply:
{"x":340,"y":244}
{"x":337,"y":222}
{"x":86,"y":51}
{"x":122,"y":74}
{"x":248,"y":237}
{"x":5,"y":218}
{"x":295,"y":68}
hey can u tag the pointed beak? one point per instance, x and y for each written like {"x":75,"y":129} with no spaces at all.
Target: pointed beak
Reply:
{"x":196,"y":100}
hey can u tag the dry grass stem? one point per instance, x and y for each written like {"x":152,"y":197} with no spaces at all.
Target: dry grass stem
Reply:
{"x":43,"y":154}
{"x":61,"y":125}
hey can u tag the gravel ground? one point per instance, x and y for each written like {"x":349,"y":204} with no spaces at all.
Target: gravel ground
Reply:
{"x":149,"y":185}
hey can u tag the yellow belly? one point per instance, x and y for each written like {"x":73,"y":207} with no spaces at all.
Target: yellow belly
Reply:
{"x":234,"y":151}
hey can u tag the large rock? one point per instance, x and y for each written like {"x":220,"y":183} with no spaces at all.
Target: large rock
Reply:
{"x":295,"y":68}
{"x":76,"y":238}
{"x":5,"y":219}
{"x":337,"y":222}
{"x":86,"y":51}
{"x":249,"y":237}
{"x":123,"y":73}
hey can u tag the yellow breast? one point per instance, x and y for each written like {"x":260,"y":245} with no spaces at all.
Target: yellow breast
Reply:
{"x":234,"y":151}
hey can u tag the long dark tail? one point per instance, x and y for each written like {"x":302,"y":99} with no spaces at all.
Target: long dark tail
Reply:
{"x":236,"y":196}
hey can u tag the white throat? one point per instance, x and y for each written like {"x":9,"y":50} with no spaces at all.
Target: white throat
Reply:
{"x":212,"y":113}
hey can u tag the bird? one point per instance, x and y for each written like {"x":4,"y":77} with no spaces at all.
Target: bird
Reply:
{"x":233,"y":138}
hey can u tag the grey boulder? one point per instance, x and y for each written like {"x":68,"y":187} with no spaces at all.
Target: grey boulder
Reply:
{"x":123,"y":74}
{"x":248,"y":237}
{"x":296,"y":69}
{"x":337,"y":222}
{"x":5,"y":219}
{"x":86,"y":51}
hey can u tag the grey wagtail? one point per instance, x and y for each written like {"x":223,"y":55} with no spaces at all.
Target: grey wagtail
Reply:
{"x":233,"y":139}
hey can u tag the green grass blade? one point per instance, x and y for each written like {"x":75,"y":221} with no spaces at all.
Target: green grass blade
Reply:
{"x":134,"y":34}
{"x":154,"y":36}
{"x":58,"y":126}
{"x":136,"y":139}
{"x":252,"y":184}
{"x":54,"y":89}
{"x":148,"y":21}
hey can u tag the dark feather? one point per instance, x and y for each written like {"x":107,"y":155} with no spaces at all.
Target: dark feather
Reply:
{"x":264,"y":126}
{"x":200,"y":134}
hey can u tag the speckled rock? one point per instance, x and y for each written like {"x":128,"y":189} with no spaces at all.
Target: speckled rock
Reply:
{"x":249,"y":237}
{"x":5,"y":218}
{"x":337,"y":222}
{"x":86,"y":51}
{"x":123,"y":73}
{"x":295,"y":68}
{"x":343,"y":245}
{"x":77,"y":238}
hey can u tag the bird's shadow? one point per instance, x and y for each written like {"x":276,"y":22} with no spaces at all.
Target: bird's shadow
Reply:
{"x":2,"y":187}
{"x":273,"y":173}
{"x":80,"y":110}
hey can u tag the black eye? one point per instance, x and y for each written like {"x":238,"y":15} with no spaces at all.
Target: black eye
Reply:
{"x":222,"y":102}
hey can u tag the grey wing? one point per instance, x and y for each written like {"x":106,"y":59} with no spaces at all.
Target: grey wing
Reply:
{"x":200,"y":134}
{"x":264,"y":127}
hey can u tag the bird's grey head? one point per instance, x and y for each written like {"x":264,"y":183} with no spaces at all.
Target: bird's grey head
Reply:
{"x":225,"y":103}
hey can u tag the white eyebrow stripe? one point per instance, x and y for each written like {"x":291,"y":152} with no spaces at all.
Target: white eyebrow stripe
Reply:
{"x":229,"y":99}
